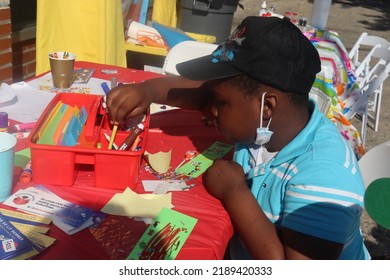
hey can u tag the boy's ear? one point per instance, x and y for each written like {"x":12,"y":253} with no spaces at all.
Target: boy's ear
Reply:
{"x":270,"y":104}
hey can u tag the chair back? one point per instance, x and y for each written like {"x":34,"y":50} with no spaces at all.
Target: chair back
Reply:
{"x":365,"y":42}
{"x":368,"y":90}
{"x":377,"y":55}
{"x":375,"y":163}
{"x":184,"y":51}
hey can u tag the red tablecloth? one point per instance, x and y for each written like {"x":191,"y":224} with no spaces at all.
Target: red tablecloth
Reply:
{"x":178,"y":130}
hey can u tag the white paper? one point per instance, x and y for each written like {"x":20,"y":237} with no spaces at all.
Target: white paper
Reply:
{"x":30,"y":103}
{"x":161,"y":187}
{"x":7,"y":95}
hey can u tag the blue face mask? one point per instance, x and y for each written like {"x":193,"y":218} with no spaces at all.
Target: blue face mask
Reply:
{"x":263,"y":134}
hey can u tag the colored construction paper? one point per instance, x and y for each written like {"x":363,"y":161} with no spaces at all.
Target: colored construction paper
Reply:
{"x":22,"y":157}
{"x":132,"y":204}
{"x":204,"y":160}
{"x":159,"y":161}
{"x":164,"y":237}
{"x":52,"y":124}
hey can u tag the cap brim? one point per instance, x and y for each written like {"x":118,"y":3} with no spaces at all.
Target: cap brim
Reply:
{"x":203,"y":69}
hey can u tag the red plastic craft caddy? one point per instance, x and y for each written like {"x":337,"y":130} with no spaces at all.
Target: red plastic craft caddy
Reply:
{"x":60,"y":165}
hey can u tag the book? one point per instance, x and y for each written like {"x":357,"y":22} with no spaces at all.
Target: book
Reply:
{"x":14,"y":245}
{"x":33,"y":227}
{"x":69,"y":217}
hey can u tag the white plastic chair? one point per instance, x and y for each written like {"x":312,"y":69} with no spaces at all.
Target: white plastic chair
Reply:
{"x":367,"y":90}
{"x":184,"y":51}
{"x":376,"y":61}
{"x":365,"y":43}
{"x":375,"y":163}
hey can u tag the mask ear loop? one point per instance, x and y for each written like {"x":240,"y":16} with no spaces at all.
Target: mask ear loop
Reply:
{"x":262,"y":111}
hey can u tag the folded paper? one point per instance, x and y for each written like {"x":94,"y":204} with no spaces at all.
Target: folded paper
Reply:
{"x":159,"y":161}
{"x":132,"y":204}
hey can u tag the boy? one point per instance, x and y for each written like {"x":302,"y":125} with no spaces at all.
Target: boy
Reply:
{"x":294,"y":190}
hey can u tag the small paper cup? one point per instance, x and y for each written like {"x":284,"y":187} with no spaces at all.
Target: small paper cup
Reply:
{"x":62,"y":65}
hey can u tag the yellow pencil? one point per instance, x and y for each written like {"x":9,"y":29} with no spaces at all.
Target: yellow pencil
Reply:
{"x":112,"y":138}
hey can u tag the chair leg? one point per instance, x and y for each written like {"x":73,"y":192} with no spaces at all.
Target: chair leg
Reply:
{"x":377,"y":106}
{"x":364,"y":115}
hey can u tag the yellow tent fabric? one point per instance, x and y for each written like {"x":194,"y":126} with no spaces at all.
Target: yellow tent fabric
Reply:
{"x":164,"y":12}
{"x":91,"y":29}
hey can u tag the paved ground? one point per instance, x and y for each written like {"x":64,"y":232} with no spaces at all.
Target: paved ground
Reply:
{"x":349,"y":18}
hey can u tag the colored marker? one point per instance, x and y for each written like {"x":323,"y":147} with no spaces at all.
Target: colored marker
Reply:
{"x":24,"y":126}
{"x":131,"y":138}
{"x":21,"y":135}
{"x":136,"y":143}
{"x":105,"y":88}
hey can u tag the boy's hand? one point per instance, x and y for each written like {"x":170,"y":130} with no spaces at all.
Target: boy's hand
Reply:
{"x":127,"y":101}
{"x":224,"y":178}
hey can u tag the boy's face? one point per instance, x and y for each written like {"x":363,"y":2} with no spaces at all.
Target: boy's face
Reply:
{"x":236,"y":116}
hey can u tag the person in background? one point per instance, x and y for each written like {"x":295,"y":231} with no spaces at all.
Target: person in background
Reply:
{"x":293,"y":189}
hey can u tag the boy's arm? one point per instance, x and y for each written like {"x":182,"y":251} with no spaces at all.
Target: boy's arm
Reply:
{"x":226,"y":181}
{"x":134,"y":99}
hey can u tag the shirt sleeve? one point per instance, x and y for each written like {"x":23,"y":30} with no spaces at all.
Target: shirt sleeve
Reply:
{"x":325,"y":202}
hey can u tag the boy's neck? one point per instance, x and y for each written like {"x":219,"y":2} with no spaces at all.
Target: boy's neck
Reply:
{"x":284,"y":134}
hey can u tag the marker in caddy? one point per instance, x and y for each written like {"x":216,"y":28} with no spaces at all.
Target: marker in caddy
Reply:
{"x":131,"y":138}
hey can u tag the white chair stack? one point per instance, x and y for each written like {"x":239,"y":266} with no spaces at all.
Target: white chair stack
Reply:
{"x":376,"y":62}
{"x":369,"y":87}
{"x":363,"y":45}
{"x":371,"y":71}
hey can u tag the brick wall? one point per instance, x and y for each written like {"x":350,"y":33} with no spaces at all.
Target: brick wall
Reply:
{"x":5,"y":46}
{"x":23,"y":59}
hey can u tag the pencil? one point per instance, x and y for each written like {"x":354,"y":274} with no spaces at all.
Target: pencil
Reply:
{"x":114,"y":130}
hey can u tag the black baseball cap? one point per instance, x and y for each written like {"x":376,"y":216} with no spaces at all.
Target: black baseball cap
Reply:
{"x":271,"y":50}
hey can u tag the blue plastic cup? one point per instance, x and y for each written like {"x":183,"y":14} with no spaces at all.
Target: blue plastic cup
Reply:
{"x":7,"y":154}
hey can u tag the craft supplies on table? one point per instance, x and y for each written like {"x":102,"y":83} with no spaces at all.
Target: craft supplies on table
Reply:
{"x":58,"y":163}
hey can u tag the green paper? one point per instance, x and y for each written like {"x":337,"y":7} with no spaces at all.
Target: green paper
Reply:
{"x":47,"y":135}
{"x":22,"y":157}
{"x":164,"y":237}
{"x":201,"y":162}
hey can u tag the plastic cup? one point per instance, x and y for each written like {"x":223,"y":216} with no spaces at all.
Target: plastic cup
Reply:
{"x":7,"y":154}
{"x":62,"y":65}
{"x":320,"y":13}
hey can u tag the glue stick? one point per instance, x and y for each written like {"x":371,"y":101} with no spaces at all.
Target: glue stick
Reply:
{"x":3,"y":122}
